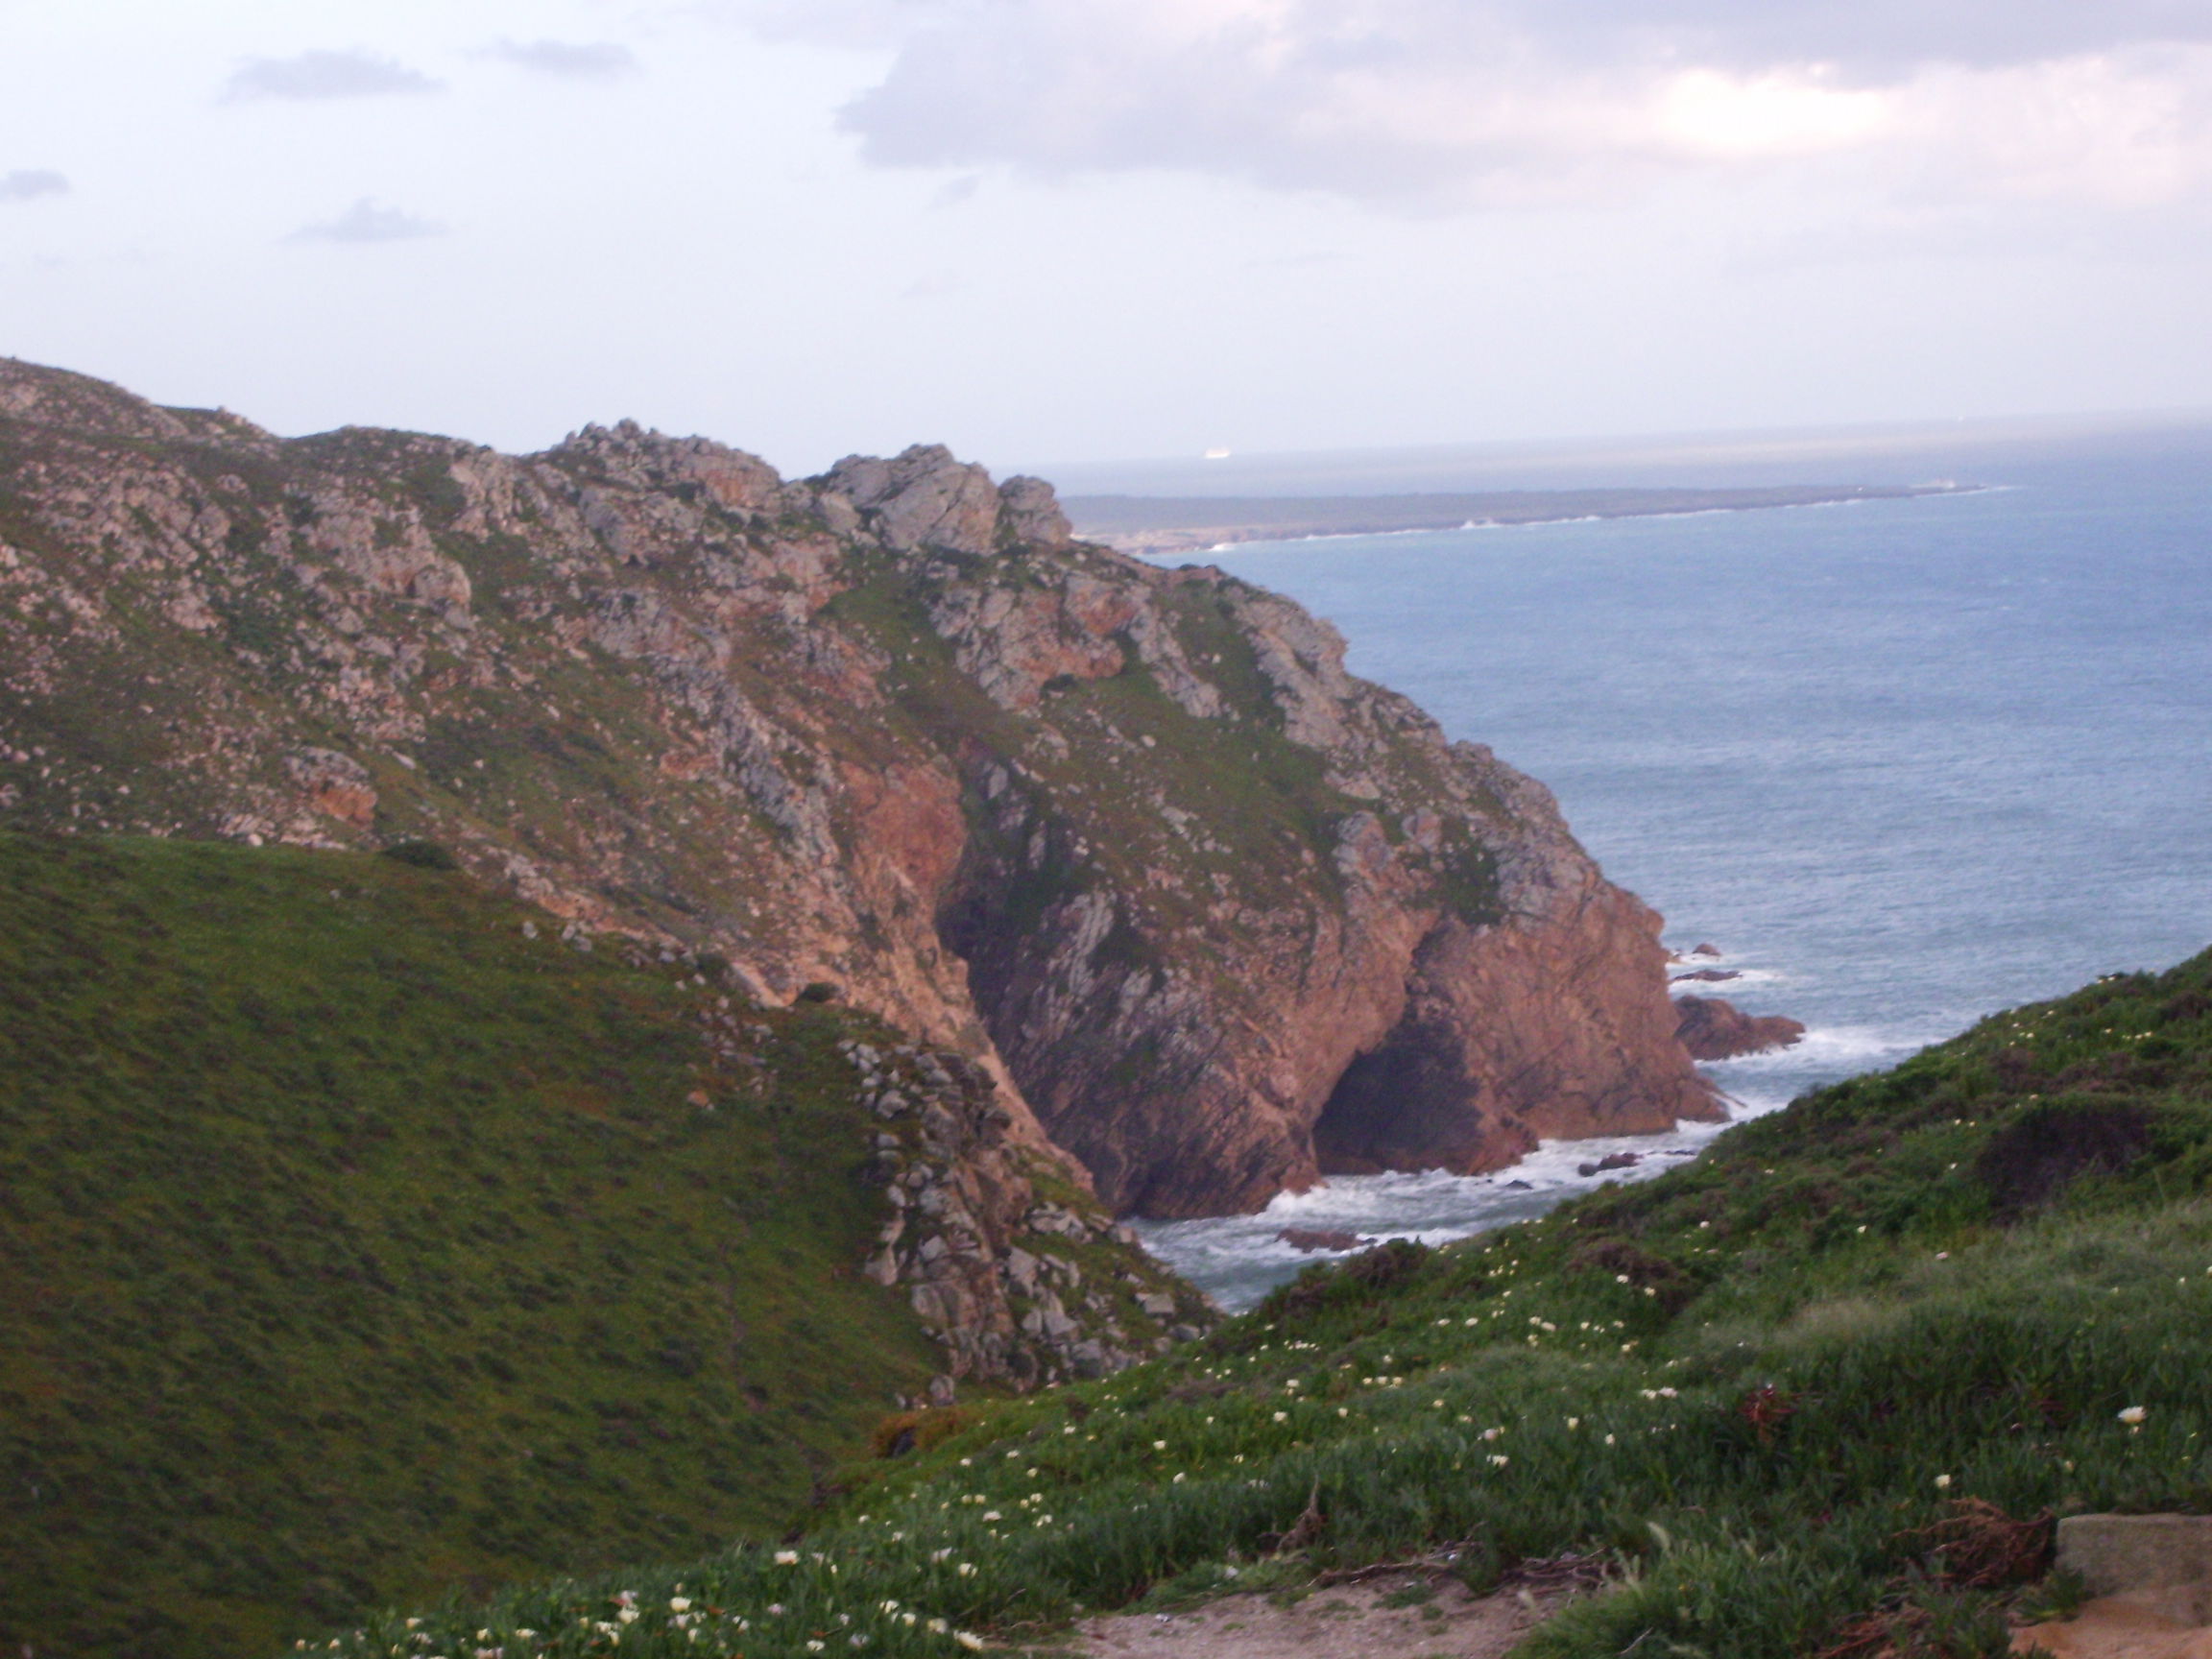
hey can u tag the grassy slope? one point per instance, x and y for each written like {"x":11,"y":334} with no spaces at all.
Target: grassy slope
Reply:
{"x":1755,"y":1383}
{"x":354,"y":1245}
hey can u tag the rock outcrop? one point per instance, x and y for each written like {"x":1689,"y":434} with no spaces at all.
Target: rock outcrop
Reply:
{"x":1213,"y":915}
{"x":1018,"y":1285}
{"x":1712,"y":1028}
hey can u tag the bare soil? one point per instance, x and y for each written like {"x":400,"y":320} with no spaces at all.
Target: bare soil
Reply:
{"x":1405,"y":1616}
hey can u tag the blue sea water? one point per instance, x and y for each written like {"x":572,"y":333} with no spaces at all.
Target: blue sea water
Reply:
{"x":1904,"y":763}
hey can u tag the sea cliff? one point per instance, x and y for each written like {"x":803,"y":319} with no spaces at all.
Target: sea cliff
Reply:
{"x":1211,"y":915}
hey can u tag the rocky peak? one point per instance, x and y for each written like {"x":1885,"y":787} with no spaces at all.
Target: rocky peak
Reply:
{"x":643,"y":459}
{"x":921,"y":498}
{"x":924,"y":498}
{"x":1032,"y":515}
{"x":31,"y":392}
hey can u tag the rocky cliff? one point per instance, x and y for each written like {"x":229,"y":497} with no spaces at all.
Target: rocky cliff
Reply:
{"x":1213,"y":916}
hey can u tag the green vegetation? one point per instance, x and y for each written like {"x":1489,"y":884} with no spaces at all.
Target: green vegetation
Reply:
{"x":1830,"y":1381}
{"x":359,"y":1239}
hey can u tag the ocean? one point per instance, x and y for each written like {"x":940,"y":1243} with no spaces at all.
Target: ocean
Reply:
{"x":1904,"y":763}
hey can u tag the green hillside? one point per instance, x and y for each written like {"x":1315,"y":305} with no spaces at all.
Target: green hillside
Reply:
{"x":1822,"y":1390}
{"x":359,"y":1238}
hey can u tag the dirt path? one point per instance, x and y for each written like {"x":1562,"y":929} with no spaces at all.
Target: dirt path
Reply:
{"x":1406,"y":1617}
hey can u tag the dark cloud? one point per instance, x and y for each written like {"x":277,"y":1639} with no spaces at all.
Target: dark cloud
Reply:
{"x":26,"y":183}
{"x":576,"y":61}
{"x":367,"y":221}
{"x":325,"y":74}
{"x":1869,"y":37}
{"x":1444,"y":102}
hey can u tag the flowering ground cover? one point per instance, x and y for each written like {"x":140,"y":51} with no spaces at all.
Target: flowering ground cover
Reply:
{"x":1819,"y":1392}
{"x":359,"y":1238}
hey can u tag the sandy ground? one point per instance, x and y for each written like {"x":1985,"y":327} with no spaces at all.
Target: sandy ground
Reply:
{"x":1349,"y":1621}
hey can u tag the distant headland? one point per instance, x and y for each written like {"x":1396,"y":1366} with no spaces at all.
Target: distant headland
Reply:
{"x":1157,"y":525}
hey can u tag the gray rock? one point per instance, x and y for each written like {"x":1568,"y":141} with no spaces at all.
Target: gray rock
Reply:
{"x":922,"y":498}
{"x":1033,"y":515}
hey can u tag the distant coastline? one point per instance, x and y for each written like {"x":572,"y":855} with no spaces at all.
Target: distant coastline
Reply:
{"x":1153,"y":526}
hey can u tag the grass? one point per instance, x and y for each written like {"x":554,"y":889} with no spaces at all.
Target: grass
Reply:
{"x":357,"y":1245}
{"x":1790,"y":1393}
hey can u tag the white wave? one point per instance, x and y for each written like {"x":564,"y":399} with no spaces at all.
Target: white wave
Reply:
{"x":1745,"y":978}
{"x":1237,"y":1258}
{"x":1832,"y":1048}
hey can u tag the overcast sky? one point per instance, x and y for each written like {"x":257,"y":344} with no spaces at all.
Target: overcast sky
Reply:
{"x":1077,"y":230}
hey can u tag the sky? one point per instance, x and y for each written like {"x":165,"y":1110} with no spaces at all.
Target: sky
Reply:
{"x":1072,"y":230}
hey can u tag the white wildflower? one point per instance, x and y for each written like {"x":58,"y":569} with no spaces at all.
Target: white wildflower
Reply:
{"x":2134,"y":1417}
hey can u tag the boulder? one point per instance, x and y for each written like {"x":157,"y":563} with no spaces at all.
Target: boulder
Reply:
{"x":1311,"y":1238}
{"x":1611,"y":1160}
{"x":1713,"y":1029}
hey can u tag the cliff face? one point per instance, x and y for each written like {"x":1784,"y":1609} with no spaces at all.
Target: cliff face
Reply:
{"x":1212,"y":915}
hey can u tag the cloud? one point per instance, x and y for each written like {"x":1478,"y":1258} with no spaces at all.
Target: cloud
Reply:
{"x":26,"y":183}
{"x":325,"y":74}
{"x":1435,"y":104}
{"x":368,"y":222}
{"x":586,"y":61}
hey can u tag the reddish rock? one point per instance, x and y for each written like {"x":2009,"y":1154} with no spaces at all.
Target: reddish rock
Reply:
{"x":1713,"y":1029}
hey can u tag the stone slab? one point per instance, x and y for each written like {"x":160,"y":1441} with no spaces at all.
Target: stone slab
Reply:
{"x":2156,"y":1560}
{"x":2114,"y":1629}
